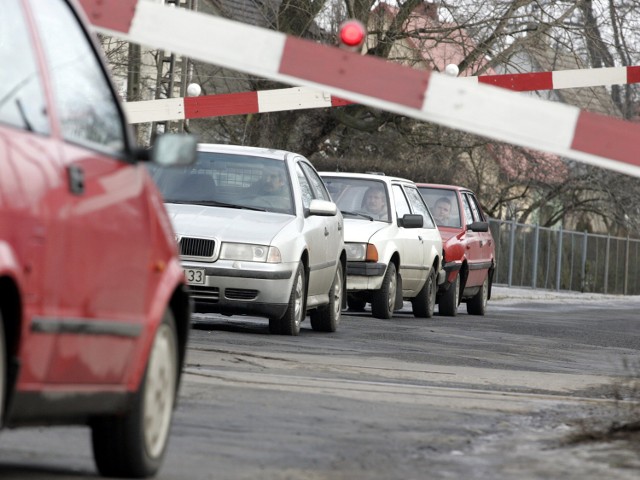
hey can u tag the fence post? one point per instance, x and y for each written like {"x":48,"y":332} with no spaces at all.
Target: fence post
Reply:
{"x":534,"y":272}
{"x":606,"y":265}
{"x":626,"y":267}
{"x":583,"y":267}
{"x":559,"y":260}
{"x":512,"y":246}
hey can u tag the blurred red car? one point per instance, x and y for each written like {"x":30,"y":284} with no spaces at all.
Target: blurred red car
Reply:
{"x":468,"y":248}
{"x":94,"y":307}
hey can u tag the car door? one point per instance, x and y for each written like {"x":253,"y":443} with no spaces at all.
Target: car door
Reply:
{"x":316,"y":231}
{"x":334,"y":236}
{"x":31,"y":218}
{"x":473,"y":244}
{"x":105,"y":230}
{"x":430,"y":238}
{"x":410,"y":245}
{"x":482,"y":251}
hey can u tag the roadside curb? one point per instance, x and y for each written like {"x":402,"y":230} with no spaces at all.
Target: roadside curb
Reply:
{"x":504,"y":293}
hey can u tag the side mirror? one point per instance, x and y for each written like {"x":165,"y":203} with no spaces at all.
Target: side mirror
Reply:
{"x":171,"y":150}
{"x":479,"y":226}
{"x":322,"y":208}
{"x":411,"y":220}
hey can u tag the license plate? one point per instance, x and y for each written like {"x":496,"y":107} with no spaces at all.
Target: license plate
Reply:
{"x":195,"y":276}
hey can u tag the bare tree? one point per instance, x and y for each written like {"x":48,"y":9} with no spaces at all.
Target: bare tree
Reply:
{"x":489,"y":36}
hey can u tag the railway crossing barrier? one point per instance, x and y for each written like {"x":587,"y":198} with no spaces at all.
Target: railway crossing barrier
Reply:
{"x":481,"y":109}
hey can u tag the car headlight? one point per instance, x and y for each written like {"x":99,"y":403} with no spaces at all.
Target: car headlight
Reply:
{"x":250,"y":253}
{"x":361,"y":252}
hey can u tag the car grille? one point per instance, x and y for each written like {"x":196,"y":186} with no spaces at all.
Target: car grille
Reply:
{"x":205,"y":294}
{"x":240,"y":294}
{"x":196,"y":247}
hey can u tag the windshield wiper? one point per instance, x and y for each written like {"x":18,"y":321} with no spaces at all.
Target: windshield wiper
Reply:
{"x":24,"y":116}
{"x":357,"y":214}
{"x":213,"y":203}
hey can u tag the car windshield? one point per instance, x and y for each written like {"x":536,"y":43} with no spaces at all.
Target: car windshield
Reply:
{"x":228,"y":180}
{"x":443,"y":204}
{"x":359,"y":197}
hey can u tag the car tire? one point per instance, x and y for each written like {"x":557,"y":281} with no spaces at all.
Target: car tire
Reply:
{"x":424,"y":304}
{"x":356,"y":304}
{"x":289,"y":323}
{"x":134,"y":444}
{"x":3,"y":369}
{"x":477,"y":305}
{"x":383,"y":301}
{"x":327,"y":318}
{"x":450,"y":299}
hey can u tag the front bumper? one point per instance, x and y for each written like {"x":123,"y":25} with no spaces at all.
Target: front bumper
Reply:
{"x":449,"y":273}
{"x":250,"y":288}
{"x":365,"y":275}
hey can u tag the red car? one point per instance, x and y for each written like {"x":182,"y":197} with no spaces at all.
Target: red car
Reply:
{"x":468,"y":248}
{"x":94,"y":308}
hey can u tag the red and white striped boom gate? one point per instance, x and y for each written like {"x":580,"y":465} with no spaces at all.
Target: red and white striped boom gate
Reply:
{"x":299,"y":98}
{"x":480,"y":109}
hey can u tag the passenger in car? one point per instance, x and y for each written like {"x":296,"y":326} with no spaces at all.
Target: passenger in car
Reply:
{"x":375,"y":203}
{"x":442,"y":211}
{"x":272,"y":183}
{"x":193,"y":187}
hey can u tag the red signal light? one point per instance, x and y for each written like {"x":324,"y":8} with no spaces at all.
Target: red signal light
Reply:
{"x":352,"y":33}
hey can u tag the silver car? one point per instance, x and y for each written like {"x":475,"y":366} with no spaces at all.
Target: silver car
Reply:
{"x":258,"y":235}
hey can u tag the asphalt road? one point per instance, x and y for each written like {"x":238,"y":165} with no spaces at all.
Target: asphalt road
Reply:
{"x":495,"y":397}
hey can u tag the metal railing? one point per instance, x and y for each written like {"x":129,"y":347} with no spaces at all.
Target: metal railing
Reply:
{"x":556,"y":259}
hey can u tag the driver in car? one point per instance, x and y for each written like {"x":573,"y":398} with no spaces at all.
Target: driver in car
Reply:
{"x":442,"y":211}
{"x":375,"y":203}
{"x":272,"y":182}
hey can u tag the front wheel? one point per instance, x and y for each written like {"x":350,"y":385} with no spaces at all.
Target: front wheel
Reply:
{"x":327,"y":319}
{"x":477,"y":305}
{"x":134,"y":444}
{"x":3,"y":369}
{"x":290,"y":322}
{"x":383,"y":301}
{"x":450,"y":299}
{"x":424,"y":303}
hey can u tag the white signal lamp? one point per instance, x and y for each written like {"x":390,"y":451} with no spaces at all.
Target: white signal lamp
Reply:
{"x":194,"y":90}
{"x":452,"y":70}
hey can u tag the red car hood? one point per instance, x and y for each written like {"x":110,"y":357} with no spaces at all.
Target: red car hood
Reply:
{"x":447,"y":232}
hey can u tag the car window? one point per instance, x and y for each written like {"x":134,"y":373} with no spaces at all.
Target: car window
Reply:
{"x":359,"y":197}
{"x":316,"y":183}
{"x":443,"y":205}
{"x":402,"y":205}
{"x":475,"y":208}
{"x":235,"y":180}
{"x":22,"y":99}
{"x":84,"y":101}
{"x":418,"y":206}
{"x":307,"y":191}
{"x":467,"y":209}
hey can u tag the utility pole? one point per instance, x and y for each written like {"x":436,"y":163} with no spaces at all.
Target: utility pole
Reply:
{"x":173,"y":71}
{"x":134,"y":64}
{"x":186,"y":69}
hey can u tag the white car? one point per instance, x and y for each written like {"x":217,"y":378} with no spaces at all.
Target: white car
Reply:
{"x":393,"y":245}
{"x":258,"y":235}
